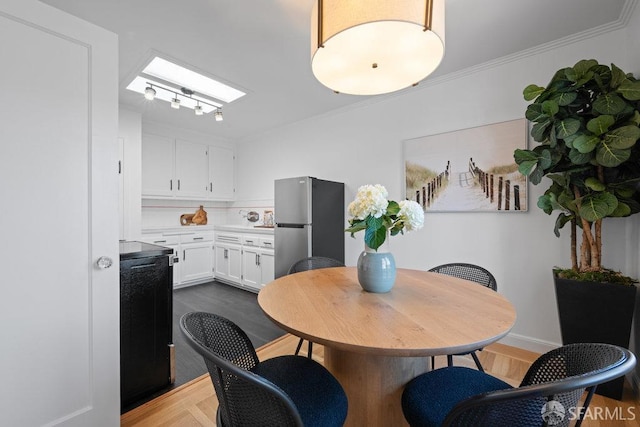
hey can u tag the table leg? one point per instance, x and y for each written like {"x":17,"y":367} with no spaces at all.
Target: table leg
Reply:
{"x":373,"y":384}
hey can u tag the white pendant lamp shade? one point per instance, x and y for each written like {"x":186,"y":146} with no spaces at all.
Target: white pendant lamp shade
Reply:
{"x":371,"y":47}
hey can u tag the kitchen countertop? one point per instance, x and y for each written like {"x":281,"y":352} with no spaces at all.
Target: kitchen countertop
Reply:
{"x":245,"y":229}
{"x":132,"y":250}
{"x":237,"y":228}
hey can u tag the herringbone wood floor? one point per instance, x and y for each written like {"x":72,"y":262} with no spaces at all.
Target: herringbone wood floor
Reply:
{"x":194,"y":404}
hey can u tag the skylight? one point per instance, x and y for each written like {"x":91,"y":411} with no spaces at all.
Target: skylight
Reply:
{"x":172,"y":80}
{"x":180,"y":76}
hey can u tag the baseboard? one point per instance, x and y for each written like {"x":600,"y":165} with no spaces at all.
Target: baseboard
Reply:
{"x":528,"y":343}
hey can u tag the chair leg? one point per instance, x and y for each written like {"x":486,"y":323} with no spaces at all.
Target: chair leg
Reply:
{"x":449,"y":360}
{"x":587,"y":401}
{"x":310,"y":351}
{"x":299,"y":346}
{"x":475,"y":359}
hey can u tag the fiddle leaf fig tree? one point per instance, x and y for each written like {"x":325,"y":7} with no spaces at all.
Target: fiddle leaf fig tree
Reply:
{"x":587,"y":124}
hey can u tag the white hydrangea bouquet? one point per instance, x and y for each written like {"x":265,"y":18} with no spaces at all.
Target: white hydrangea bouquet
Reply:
{"x":373,"y":212}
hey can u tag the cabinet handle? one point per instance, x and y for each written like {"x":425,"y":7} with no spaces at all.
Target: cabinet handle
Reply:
{"x":198,"y":238}
{"x":119,"y":167}
{"x":159,"y":241}
{"x":211,"y":187}
{"x":226,"y":254}
{"x":178,"y":185}
{"x":171,"y":184}
{"x":184,"y":254}
{"x":258,"y":259}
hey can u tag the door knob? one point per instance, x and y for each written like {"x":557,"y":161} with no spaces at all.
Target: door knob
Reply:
{"x":104,"y":262}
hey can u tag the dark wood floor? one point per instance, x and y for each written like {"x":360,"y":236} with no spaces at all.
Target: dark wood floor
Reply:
{"x":238,"y":305}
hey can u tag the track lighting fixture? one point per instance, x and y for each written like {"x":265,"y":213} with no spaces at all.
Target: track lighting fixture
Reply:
{"x":150,"y":93}
{"x":186,"y":95}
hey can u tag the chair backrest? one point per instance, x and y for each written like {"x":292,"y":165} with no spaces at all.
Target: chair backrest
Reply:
{"x":465,"y":271}
{"x":244,"y":397}
{"x":314,"y":263}
{"x":550,"y":391}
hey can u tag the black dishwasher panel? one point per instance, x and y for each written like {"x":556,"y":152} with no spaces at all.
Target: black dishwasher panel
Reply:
{"x":146,"y":306}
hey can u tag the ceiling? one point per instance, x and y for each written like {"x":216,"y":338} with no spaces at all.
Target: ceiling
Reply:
{"x":263,"y":48}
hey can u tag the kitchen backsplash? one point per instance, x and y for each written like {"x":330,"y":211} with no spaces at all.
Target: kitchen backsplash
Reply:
{"x":166,"y":213}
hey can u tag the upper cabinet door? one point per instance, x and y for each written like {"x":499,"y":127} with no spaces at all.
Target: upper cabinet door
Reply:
{"x":157,"y":166}
{"x":60,"y":309}
{"x":192,"y":170}
{"x":221,"y":173}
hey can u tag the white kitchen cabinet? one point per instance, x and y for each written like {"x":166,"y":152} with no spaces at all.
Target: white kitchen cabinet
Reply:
{"x":192,"y":170}
{"x":268,"y":266}
{"x":175,"y":168}
{"x":196,"y":250}
{"x":244,"y":259}
{"x":221,"y":173}
{"x":228,"y":262}
{"x":158,"y":154}
{"x":193,"y":255}
{"x":257,"y":261}
{"x":197,"y":261}
{"x":258,"y":267}
{"x":251,"y":270}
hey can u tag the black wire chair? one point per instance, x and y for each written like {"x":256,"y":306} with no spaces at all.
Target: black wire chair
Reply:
{"x":282,"y":391}
{"x":312,"y":263}
{"x":473,"y":273}
{"x":548,"y":395}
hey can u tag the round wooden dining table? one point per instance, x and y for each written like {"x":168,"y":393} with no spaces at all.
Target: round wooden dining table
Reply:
{"x":375,"y":343}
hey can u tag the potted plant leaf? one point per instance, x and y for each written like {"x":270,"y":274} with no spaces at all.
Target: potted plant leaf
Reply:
{"x":587,"y":124}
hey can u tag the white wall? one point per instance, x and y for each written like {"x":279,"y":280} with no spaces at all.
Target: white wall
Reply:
{"x":130,"y":130}
{"x":363,"y":144}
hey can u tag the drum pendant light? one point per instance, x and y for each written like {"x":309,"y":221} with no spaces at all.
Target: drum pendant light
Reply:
{"x":371,"y":47}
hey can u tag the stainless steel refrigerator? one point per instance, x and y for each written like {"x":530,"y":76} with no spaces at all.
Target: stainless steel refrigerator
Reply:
{"x":309,"y":221}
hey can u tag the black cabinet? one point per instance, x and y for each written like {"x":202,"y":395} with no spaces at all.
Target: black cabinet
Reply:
{"x":146,"y":305}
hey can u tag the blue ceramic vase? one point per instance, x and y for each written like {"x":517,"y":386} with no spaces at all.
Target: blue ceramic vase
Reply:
{"x":376,"y":269}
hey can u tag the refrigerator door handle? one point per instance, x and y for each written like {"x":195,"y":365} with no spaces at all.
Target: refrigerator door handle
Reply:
{"x":281,"y":225}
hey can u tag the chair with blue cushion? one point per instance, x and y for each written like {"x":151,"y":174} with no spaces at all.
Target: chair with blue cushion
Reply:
{"x":312,"y":263}
{"x":282,"y":391}
{"x":473,"y":273}
{"x":548,"y":395}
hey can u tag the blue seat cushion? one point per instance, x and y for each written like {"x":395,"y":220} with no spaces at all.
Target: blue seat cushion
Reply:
{"x":319,"y":397}
{"x":428,"y":398}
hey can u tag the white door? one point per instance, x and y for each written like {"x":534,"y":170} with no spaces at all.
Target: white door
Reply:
{"x":59,"y":312}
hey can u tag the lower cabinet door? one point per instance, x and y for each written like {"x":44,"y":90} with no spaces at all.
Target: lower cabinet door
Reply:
{"x":267,"y":265}
{"x":228,"y":263}
{"x":251,"y":271}
{"x":197,"y":261}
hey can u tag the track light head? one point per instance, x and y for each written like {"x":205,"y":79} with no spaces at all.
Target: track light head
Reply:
{"x":218,"y":115}
{"x":150,"y":93}
{"x":198,"y":110}
{"x":175,"y":103}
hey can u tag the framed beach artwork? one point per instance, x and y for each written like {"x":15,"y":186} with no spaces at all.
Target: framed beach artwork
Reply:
{"x":469,"y":170}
